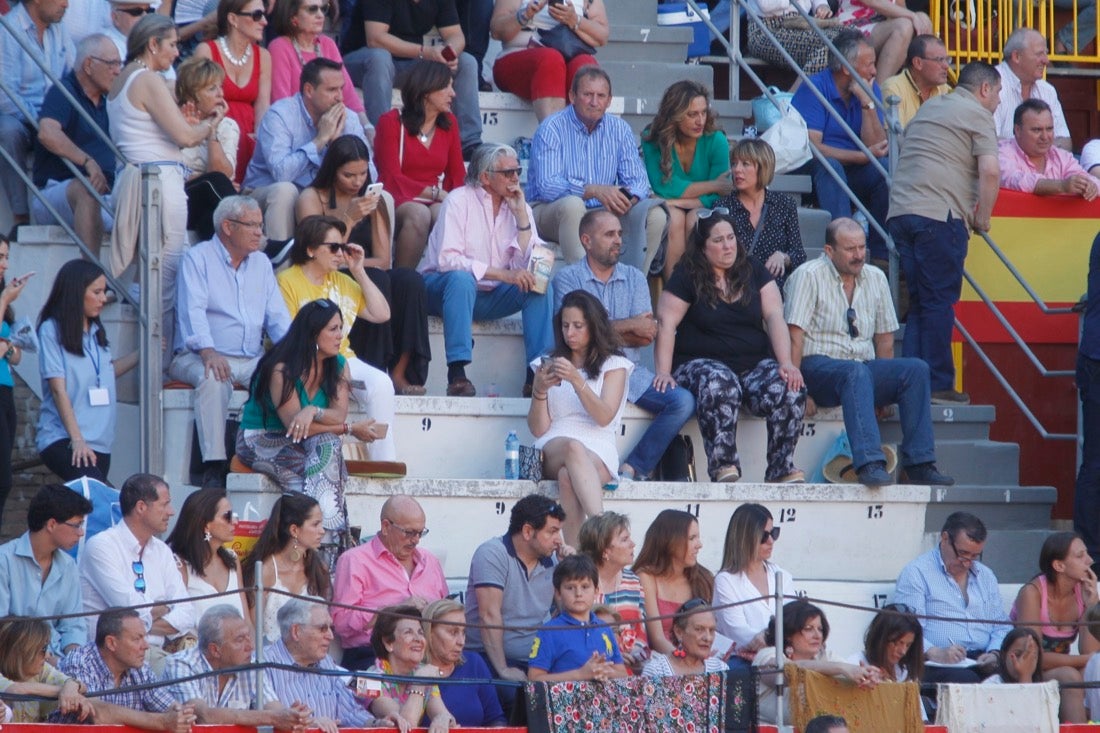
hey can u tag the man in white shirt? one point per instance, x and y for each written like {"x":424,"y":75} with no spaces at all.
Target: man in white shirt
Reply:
{"x":127,"y":566}
{"x":1025,"y":61}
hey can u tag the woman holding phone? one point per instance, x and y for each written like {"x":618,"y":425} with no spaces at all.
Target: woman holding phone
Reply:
{"x":10,"y":354}
{"x":343,"y":189}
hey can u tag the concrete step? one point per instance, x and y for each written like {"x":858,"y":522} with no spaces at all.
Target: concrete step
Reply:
{"x":629,"y":42}
{"x":639,"y":11}
{"x":648,"y":80}
{"x":979,"y":462}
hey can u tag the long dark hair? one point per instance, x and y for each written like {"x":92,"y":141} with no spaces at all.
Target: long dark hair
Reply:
{"x":796,"y":615}
{"x":9,"y":314}
{"x":887,"y":627}
{"x":664,"y":130}
{"x":701,"y":273}
{"x":289,"y":509}
{"x":1011,"y":638}
{"x":341,"y":151}
{"x":310,"y":233}
{"x":665,"y":539}
{"x":65,"y":305}
{"x":294,"y":356}
{"x":603,"y":341}
{"x":424,"y":78}
{"x":186,"y":539}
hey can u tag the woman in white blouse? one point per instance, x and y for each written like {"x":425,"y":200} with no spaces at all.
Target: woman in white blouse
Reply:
{"x":747,"y":578}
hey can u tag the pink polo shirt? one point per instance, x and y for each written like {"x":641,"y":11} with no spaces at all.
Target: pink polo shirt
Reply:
{"x":1018,"y":174}
{"x":370,"y":576}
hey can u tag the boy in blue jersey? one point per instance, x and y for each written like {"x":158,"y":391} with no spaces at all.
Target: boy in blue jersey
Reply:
{"x":584,"y":648}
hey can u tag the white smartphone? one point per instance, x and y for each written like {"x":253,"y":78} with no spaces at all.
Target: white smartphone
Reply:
{"x":374,"y":188}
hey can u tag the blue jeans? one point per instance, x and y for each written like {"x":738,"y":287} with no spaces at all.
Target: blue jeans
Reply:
{"x":671,"y":409}
{"x":868,"y":186}
{"x":861,"y":386}
{"x":379,"y":72}
{"x":454,"y":296}
{"x":931,"y":254}
{"x":1086,"y":494}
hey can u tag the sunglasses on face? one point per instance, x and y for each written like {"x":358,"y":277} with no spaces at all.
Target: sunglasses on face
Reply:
{"x":230,"y":516}
{"x":335,"y":247}
{"x":135,"y":12}
{"x":507,"y":172}
{"x":314,"y":9}
{"x":256,"y":15}
{"x":773,"y":533}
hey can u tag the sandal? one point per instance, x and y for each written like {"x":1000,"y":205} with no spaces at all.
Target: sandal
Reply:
{"x":410,"y":390}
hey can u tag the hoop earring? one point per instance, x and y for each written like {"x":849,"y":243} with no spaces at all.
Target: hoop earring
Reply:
{"x":296,"y":553}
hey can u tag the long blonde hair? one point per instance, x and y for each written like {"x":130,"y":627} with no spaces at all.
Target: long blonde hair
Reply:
{"x":663,"y":132}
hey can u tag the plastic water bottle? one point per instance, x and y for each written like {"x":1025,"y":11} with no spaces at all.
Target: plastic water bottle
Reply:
{"x":511,"y":456}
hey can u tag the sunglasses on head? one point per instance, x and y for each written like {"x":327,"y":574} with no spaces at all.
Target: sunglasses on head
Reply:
{"x":135,"y":12}
{"x":692,"y":605}
{"x":324,"y":303}
{"x":702,"y":215}
{"x":256,"y":15}
{"x":773,"y":533}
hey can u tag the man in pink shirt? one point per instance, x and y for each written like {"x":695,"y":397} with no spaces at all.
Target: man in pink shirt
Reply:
{"x":475,"y":268}
{"x":1031,"y":163}
{"x":389,"y":570}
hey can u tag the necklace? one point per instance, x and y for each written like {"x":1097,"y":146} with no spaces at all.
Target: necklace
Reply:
{"x":424,"y":137}
{"x":140,"y":63}
{"x":298,"y":50}
{"x":230,"y":57}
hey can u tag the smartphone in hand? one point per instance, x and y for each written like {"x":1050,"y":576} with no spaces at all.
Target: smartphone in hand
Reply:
{"x":448,"y":53}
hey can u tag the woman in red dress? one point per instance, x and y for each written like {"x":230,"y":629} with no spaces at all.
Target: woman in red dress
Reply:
{"x":247,"y":85}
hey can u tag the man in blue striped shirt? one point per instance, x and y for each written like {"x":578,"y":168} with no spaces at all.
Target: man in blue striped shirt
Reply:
{"x":583,"y":158}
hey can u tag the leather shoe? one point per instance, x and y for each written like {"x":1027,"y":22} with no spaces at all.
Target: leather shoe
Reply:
{"x":950,"y":397}
{"x":927,"y":474}
{"x":874,"y":474}
{"x":461,"y":387}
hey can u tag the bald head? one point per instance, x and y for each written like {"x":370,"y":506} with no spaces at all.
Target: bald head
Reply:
{"x":402,"y":521}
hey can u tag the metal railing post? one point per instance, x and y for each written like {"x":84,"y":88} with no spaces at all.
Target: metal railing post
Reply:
{"x":150,"y":241}
{"x":259,"y":621}
{"x":781,"y":678}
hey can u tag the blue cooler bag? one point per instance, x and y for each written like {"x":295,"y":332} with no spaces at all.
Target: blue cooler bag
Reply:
{"x":106,"y":511}
{"x":683,"y":14}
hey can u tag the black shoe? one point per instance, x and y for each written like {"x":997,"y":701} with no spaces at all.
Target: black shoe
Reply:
{"x":484,"y":86}
{"x":874,"y":474}
{"x":213,"y":474}
{"x":926,"y":474}
{"x":950,"y":397}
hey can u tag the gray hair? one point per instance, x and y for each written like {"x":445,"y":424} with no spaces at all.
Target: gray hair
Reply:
{"x":847,"y":42}
{"x":89,"y":46}
{"x":297,"y":612}
{"x":233,"y":207}
{"x":1018,"y":41}
{"x":484,"y":158}
{"x":210,"y":625}
{"x":153,"y":26}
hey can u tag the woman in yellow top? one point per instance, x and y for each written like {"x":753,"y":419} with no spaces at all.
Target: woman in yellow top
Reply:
{"x":318,"y":254}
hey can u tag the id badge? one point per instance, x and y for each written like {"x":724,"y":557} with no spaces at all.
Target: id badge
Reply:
{"x":99,"y":396}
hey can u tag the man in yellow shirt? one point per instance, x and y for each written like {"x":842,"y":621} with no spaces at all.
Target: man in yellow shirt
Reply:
{"x":924,"y":76}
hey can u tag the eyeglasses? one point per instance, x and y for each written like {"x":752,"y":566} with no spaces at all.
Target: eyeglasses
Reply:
{"x":314,"y":9}
{"x":335,"y":247}
{"x":135,"y":12}
{"x":256,"y":15}
{"x":78,"y":526}
{"x":773,"y":533}
{"x":967,"y":557}
{"x":230,"y":516}
{"x":851,"y":316}
{"x":256,"y":226}
{"x":507,"y":172}
{"x":943,"y":60}
{"x":110,"y":63}
{"x":323,"y":628}
{"x":411,"y":534}
{"x":139,"y":570}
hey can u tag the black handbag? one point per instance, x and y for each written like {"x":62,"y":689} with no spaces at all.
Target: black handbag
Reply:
{"x":678,"y":461}
{"x":564,"y":41}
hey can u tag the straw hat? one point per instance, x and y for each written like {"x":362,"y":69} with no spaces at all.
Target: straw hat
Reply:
{"x":839,"y":469}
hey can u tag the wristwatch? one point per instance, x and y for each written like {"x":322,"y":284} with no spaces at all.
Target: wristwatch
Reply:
{"x":869,"y":105}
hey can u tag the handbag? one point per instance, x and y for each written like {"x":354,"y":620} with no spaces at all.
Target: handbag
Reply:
{"x":790,"y":140}
{"x":564,"y":41}
{"x":765,"y":112}
{"x":530,"y":463}
{"x":678,"y":461}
